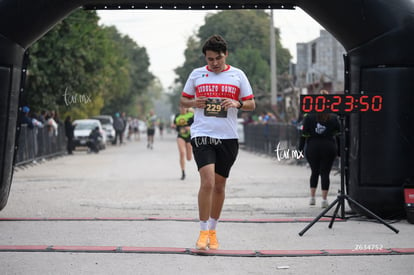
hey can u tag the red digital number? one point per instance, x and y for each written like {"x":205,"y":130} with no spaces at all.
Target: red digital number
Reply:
{"x":349,"y":102}
{"x":307,"y":103}
{"x":376,"y":103}
{"x":364,"y":103}
{"x":338,"y":101}
{"x":320,"y":104}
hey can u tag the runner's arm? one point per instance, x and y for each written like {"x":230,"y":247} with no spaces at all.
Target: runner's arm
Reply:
{"x":198,"y":102}
{"x":248,"y":105}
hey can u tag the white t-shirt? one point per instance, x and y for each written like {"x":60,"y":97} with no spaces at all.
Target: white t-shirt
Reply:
{"x":231,"y":83}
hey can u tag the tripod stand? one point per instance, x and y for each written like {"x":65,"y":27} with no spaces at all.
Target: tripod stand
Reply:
{"x":340,"y":200}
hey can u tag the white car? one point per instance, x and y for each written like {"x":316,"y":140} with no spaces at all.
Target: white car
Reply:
{"x":83,"y":128}
{"x":107,"y":124}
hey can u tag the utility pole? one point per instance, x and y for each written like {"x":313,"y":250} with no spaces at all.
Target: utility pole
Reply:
{"x":273,"y":79}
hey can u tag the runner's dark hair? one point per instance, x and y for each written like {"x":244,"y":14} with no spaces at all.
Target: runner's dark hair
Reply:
{"x":215,"y":43}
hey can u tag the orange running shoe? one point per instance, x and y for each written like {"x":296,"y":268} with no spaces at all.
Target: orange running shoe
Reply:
{"x":213,"y":244}
{"x":202,"y":242}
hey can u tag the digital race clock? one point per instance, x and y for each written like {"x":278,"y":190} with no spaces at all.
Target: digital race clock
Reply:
{"x":341,"y":103}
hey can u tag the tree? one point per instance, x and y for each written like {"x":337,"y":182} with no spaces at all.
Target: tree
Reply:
{"x":247,"y":33}
{"x":84,"y":69}
{"x":65,"y":64}
{"x":193,"y":59}
{"x":136,"y":73}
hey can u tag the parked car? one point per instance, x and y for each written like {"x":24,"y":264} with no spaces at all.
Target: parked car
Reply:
{"x":107,"y":124}
{"x":83,"y":128}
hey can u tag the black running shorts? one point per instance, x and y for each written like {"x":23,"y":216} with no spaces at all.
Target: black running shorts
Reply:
{"x":221,"y":152}
{"x":186,"y":139}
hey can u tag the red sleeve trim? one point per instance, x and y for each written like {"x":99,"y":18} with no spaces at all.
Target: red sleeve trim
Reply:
{"x":247,"y":97}
{"x":187,"y":95}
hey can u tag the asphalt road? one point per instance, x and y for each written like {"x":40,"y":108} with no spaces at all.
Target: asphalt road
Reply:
{"x":126,"y":211}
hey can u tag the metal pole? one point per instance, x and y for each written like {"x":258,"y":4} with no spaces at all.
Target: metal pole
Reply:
{"x":273,"y":79}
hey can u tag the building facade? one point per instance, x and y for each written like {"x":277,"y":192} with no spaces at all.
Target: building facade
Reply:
{"x":320,"y":65}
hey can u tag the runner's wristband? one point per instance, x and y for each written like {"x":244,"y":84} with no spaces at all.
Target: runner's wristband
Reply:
{"x":241,"y":104}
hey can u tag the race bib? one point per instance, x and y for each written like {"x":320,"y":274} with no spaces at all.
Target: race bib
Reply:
{"x":213,"y":108}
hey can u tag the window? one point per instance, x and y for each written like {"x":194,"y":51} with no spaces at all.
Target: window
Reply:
{"x":313,"y":53}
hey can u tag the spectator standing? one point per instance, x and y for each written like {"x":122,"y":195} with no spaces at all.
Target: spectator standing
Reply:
{"x":26,"y":118}
{"x":42,"y":117}
{"x":69,"y":132}
{"x":126,"y":123}
{"x":36,"y":122}
{"x":130,"y":130}
{"x":320,"y":144}
{"x":52,"y":126}
{"x":119,"y":129}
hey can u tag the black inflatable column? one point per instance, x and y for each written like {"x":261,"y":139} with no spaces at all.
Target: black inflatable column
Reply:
{"x":382,"y":144}
{"x":378,"y":37}
{"x":11,"y":57}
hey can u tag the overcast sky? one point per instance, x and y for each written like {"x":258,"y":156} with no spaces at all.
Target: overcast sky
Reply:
{"x":164,"y":33}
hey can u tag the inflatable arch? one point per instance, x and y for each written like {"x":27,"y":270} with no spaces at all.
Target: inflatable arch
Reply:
{"x":377,"y":35}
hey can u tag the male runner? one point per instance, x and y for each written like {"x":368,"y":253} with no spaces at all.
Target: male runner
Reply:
{"x":216,"y":92}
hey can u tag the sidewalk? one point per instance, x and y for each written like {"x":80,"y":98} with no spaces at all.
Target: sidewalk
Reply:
{"x":125,"y":210}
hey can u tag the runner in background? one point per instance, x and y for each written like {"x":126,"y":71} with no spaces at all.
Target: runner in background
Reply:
{"x":182,"y":123}
{"x":151,"y":124}
{"x":161,"y":125}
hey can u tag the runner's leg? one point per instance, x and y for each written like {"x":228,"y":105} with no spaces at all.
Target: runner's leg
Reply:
{"x":218,"y":196}
{"x":207,"y":177}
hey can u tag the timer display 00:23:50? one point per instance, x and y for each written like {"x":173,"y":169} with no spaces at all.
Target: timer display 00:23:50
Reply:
{"x":350,"y":103}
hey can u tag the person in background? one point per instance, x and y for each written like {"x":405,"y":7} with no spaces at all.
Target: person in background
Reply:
{"x":135,"y":128}
{"x":182,"y":123}
{"x":94,"y":138}
{"x":320,"y":145}
{"x":52,"y":126}
{"x":151,"y":124}
{"x":119,"y":129}
{"x":161,"y":125}
{"x":126,"y":125}
{"x":216,"y":92}
{"x":56,"y":118}
{"x":26,"y":118}
{"x":130,"y":129}
{"x":42,"y":116}
{"x":35,"y":120}
{"x":69,"y":132}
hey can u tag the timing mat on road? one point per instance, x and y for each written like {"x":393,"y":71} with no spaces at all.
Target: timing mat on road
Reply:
{"x":284,"y":220}
{"x":188,"y":251}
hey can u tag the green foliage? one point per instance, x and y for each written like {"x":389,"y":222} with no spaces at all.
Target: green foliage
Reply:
{"x":62,"y":62}
{"x":83,"y":69}
{"x":135,"y":79}
{"x":255,"y":67}
{"x":241,"y":29}
{"x":193,"y":59}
